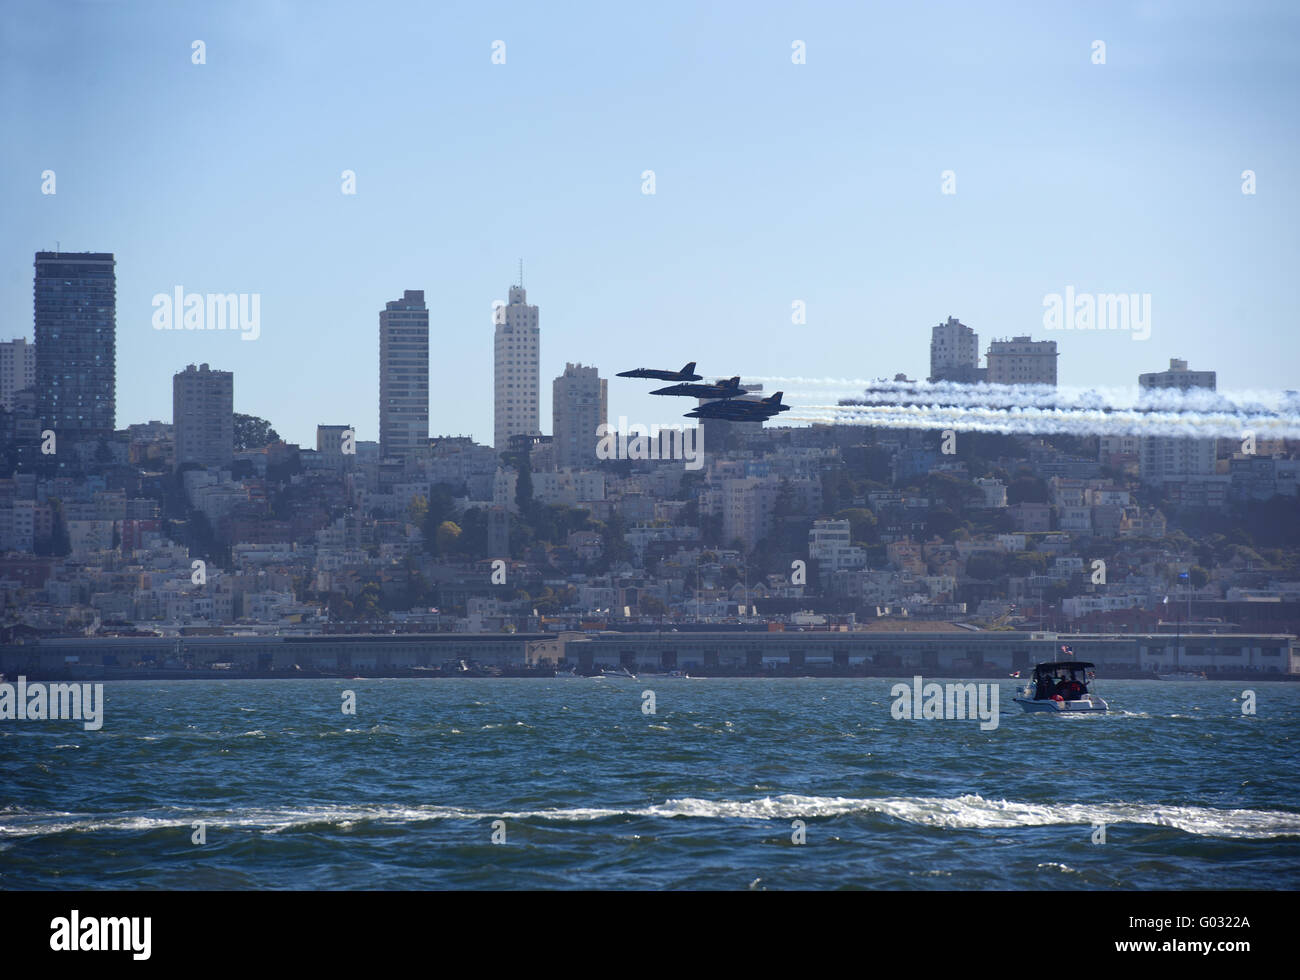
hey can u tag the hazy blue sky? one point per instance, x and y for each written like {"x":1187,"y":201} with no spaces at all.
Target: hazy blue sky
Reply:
{"x":776,"y":182}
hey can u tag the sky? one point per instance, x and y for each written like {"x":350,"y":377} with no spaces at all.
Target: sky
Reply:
{"x":774,"y":183}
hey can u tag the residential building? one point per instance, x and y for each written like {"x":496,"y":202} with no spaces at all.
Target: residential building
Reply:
{"x":1022,"y":361}
{"x":75,"y":333}
{"x":954,"y":352}
{"x":203,"y":416}
{"x":404,"y":375}
{"x":1165,"y":459}
{"x":579,"y":406}
{"x":17,"y":370}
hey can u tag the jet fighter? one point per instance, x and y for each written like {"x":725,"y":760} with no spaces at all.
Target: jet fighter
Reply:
{"x":741,"y":409}
{"x":685,"y":374}
{"x":723,"y":389}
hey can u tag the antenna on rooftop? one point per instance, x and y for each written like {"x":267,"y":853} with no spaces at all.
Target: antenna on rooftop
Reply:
{"x":521,"y":273}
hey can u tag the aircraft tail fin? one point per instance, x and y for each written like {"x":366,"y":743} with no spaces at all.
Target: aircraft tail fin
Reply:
{"x":689,"y":368}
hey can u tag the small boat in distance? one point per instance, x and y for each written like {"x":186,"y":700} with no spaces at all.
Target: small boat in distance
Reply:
{"x":566,"y":672}
{"x":1184,"y":675}
{"x":1062,"y":686}
{"x":620,"y":673}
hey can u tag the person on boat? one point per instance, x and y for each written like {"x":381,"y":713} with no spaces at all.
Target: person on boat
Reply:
{"x":1070,"y":690}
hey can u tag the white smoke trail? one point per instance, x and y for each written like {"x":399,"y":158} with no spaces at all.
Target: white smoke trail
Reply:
{"x":1032,"y":420}
{"x":954,"y":394}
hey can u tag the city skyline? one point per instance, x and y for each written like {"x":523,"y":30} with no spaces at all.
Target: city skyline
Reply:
{"x":776,"y":183}
{"x":403,"y":385}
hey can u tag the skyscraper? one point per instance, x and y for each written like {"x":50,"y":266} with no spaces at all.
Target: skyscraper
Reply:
{"x":515,"y":370}
{"x":203,"y":416}
{"x":954,"y":352}
{"x":1163,"y":459}
{"x":76,"y":331}
{"x":17,"y":370}
{"x":579,"y":405}
{"x":404,"y":375}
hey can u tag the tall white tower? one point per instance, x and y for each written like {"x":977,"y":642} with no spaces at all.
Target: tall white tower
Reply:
{"x":515,"y":355}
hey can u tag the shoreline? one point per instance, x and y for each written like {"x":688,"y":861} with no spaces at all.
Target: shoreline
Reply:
{"x":129,"y":674}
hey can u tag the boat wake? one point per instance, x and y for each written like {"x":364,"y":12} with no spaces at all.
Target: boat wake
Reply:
{"x":968,"y":812}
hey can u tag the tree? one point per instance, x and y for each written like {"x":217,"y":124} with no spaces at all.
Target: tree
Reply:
{"x":524,"y":485}
{"x":986,"y":565}
{"x":252,"y":432}
{"x":473,"y":540}
{"x":862,"y":523}
{"x":370,"y":601}
{"x":784,"y":506}
{"x":418,"y":511}
{"x":439,"y":507}
{"x":1027,"y":489}
{"x":448,"y":534}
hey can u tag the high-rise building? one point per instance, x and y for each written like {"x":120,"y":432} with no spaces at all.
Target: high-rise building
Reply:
{"x":954,"y":352}
{"x":1022,"y":361}
{"x":579,"y":405}
{"x":76,"y":331}
{"x":203,"y":416}
{"x":515,"y":354}
{"x":17,"y":370}
{"x":1164,"y":459}
{"x":404,"y":375}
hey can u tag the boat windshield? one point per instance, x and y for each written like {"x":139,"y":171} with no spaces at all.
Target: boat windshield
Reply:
{"x":1062,"y":679}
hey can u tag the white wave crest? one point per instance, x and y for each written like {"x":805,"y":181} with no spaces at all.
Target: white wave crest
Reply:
{"x":968,"y":812}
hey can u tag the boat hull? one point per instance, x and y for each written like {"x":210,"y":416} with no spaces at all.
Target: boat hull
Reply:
{"x":1091,"y":705}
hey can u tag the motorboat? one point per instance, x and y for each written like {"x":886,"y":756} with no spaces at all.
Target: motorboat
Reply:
{"x":566,"y":673}
{"x":1184,"y":675}
{"x":620,"y":673}
{"x":1063,"y":687}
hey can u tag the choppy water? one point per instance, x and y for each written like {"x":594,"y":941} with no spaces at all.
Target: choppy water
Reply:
{"x":594,"y":793}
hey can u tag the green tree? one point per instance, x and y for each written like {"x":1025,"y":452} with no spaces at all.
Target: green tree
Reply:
{"x":252,"y":432}
{"x":1027,"y":489}
{"x":862,"y":523}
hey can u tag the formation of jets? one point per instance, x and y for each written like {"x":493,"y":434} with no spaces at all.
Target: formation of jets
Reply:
{"x":726,"y":404}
